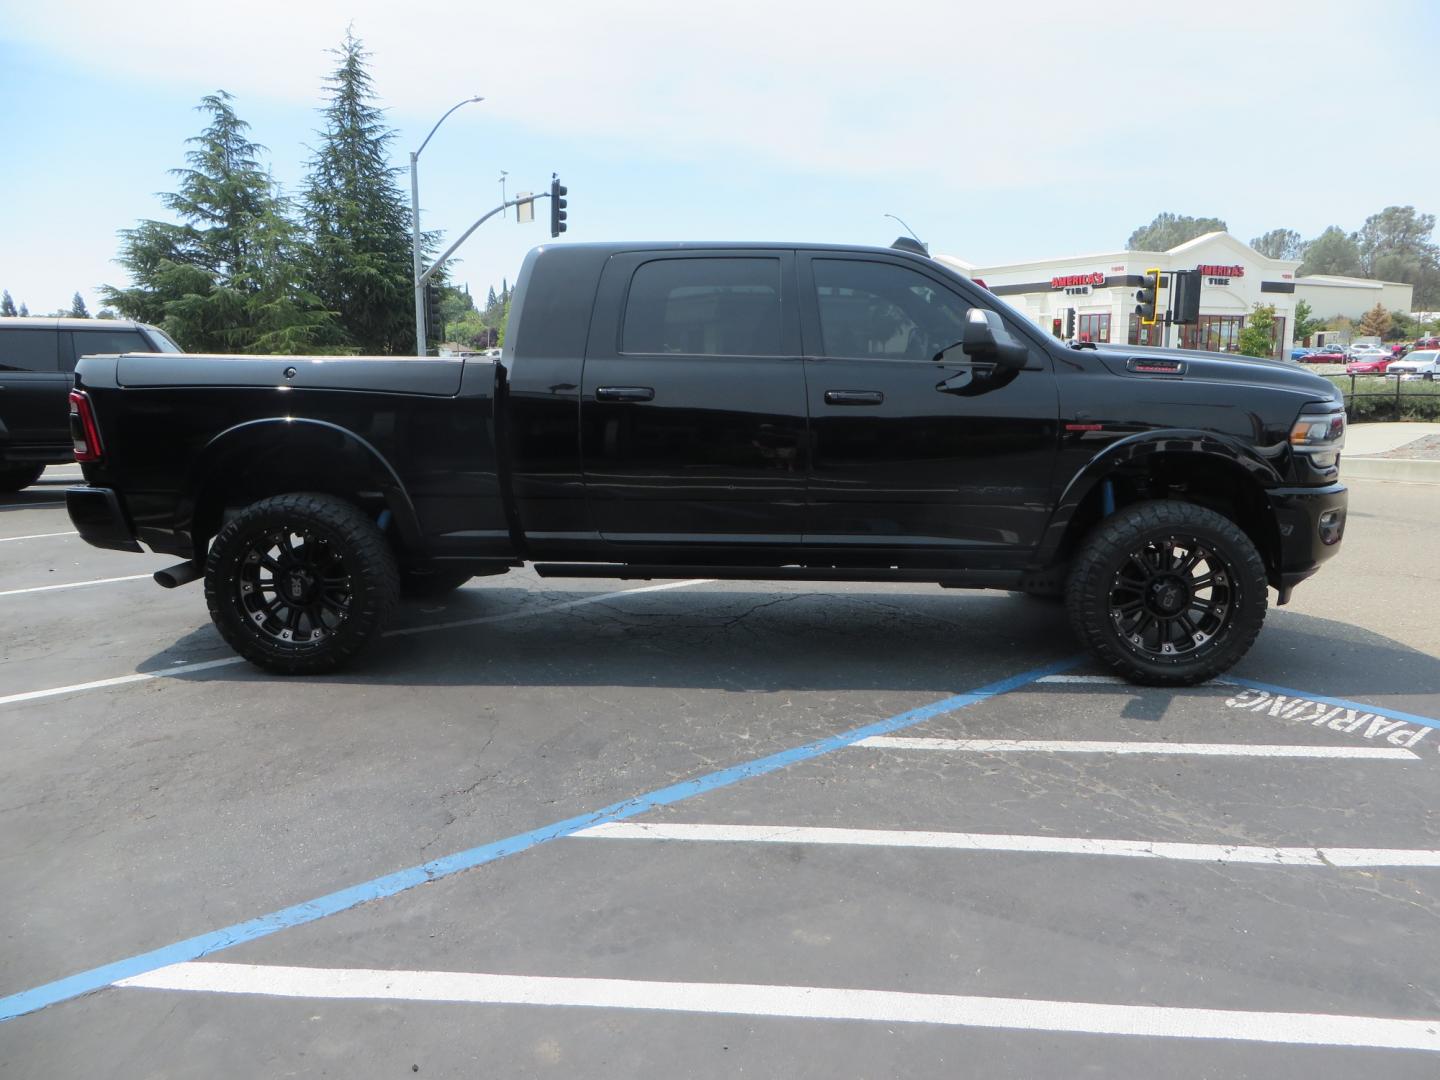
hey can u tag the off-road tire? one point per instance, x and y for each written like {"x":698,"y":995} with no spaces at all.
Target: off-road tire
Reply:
{"x":1095,"y":596}
{"x":19,"y":477}
{"x":431,"y":584}
{"x":349,"y":573}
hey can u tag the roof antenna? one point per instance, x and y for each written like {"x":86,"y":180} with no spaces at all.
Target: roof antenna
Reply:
{"x":904,"y":243}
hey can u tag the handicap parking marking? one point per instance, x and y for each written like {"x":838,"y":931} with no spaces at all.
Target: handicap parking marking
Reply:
{"x":797,"y":1002}
{"x":389,"y":885}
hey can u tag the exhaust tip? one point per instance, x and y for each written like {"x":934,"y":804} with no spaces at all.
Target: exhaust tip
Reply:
{"x":172,"y":577}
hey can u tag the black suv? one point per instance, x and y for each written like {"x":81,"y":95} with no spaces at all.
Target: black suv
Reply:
{"x":37,"y":361}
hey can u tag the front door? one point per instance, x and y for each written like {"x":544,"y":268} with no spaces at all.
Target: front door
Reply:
{"x":917,"y":460}
{"x":692,"y":414}
{"x":34,"y":393}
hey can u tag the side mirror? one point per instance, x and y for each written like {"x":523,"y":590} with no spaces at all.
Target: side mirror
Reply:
{"x":988,"y":342}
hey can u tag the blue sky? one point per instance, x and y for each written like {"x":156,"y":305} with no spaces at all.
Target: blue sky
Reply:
{"x":1039,"y":129}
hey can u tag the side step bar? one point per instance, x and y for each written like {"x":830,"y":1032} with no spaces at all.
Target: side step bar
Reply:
{"x":950,"y":579}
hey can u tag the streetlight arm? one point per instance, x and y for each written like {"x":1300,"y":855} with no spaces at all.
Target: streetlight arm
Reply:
{"x":442,"y":119}
{"x":466,"y":234}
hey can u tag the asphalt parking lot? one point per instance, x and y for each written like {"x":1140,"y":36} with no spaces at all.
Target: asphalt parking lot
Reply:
{"x":712,"y":829}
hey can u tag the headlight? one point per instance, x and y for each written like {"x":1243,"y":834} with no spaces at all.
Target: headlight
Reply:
{"x":1320,"y":436}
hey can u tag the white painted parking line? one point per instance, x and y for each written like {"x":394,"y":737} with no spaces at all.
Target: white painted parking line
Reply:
{"x":75,"y":584}
{"x":799,"y":1002}
{"x":31,"y":506}
{"x":186,"y":669}
{"x":36,"y":536}
{"x":1062,"y":746}
{"x":1336,"y":857}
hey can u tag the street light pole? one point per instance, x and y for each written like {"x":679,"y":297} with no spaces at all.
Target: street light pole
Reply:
{"x":415,"y":226}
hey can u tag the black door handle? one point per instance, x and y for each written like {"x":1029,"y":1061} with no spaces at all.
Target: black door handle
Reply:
{"x":624,"y":393}
{"x":854,"y":397}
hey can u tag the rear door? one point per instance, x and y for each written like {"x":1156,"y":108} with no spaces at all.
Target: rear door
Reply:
{"x":34,"y":391}
{"x":928,"y":461}
{"x":693,"y":413}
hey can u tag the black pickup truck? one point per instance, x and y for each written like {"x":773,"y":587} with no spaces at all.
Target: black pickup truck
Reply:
{"x":760,"y":411}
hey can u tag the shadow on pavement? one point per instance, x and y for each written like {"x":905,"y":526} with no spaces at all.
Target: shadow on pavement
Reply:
{"x":770,"y":641}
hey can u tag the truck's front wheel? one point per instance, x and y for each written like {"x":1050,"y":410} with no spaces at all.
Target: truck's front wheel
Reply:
{"x":1167,"y":593}
{"x":300,"y":583}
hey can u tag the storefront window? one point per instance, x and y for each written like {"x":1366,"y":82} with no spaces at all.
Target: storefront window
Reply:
{"x":1213,"y":333}
{"x":1145,"y":335}
{"x":1095,"y":327}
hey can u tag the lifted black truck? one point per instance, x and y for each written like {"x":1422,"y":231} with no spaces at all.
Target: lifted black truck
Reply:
{"x":758,"y":411}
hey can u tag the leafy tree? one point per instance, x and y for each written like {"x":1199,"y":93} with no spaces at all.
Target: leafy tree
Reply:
{"x":1376,"y":322}
{"x":357,"y":220}
{"x":1279,"y":244}
{"x":1332,"y":252}
{"x":1305,"y":322}
{"x":1256,"y":338}
{"x":24,"y":311}
{"x":1402,"y":327}
{"x":1171,"y":230}
{"x":7,"y":306}
{"x":77,"y":308}
{"x":226,"y":278}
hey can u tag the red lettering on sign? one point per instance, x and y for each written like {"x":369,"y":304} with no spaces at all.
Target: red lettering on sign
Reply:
{"x":1214,"y":270}
{"x":1069,"y":281}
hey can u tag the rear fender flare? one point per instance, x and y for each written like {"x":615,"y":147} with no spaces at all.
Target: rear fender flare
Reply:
{"x":304,"y":440}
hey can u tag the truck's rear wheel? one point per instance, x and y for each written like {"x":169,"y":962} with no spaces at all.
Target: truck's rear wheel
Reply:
{"x":18,"y":477}
{"x":300,"y":583}
{"x":1167,"y":593}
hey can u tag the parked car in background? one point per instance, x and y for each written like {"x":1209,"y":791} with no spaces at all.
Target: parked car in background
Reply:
{"x":1426,"y":343}
{"x":1369,"y":365}
{"x":1327,"y":354}
{"x":1300,"y":353}
{"x":37,"y":365}
{"x":1420,"y":364}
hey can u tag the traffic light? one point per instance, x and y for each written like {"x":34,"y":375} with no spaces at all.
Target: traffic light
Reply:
{"x":1070,"y":324}
{"x":558,"y":192}
{"x":1146,"y":307}
{"x":1187,"y":296}
{"x":434,"y":331}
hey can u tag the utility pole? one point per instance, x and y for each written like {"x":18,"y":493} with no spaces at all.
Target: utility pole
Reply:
{"x":415,"y":226}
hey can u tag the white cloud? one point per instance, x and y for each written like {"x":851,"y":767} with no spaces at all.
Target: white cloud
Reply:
{"x":982,"y":95}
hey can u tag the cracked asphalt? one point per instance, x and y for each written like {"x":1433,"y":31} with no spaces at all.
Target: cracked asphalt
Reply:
{"x":137,"y":815}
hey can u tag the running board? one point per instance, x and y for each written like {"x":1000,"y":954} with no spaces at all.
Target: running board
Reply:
{"x":950,"y":579}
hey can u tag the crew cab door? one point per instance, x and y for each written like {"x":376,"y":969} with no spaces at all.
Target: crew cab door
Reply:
{"x":923,"y":460}
{"x":692,"y":413}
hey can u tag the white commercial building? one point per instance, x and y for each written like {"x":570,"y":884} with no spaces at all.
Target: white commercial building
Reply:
{"x":1351,"y":297}
{"x":1092,"y":297}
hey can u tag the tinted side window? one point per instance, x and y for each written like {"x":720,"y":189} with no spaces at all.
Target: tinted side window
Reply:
{"x":874,"y":310}
{"x":704,"y":307}
{"x":90,"y":342}
{"x":29,"y":350}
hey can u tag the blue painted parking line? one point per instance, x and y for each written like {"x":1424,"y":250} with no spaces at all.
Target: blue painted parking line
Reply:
{"x":1343,"y":703}
{"x":380,"y":888}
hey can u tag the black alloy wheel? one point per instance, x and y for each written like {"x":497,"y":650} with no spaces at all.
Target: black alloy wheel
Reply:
{"x":1167,"y":593}
{"x":1171,"y":597}
{"x":300,"y":583}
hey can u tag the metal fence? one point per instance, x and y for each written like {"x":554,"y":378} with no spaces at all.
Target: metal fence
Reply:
{"x":1392,"y":398}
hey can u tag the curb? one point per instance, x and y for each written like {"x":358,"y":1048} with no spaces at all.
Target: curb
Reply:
{"x":1415,"y":470}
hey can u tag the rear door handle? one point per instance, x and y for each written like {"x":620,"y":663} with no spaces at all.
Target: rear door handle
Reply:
{"x":624,"y":393}
{"x":854,"y":397}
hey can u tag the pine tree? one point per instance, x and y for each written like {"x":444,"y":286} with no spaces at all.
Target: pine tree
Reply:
{"x":227,"y":279}
{"x":1376,"y":322}
{"x":356,"y":218}
{"x":24,"y":312}
{"x":7,"y":306}
{"x":77,"y":308}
